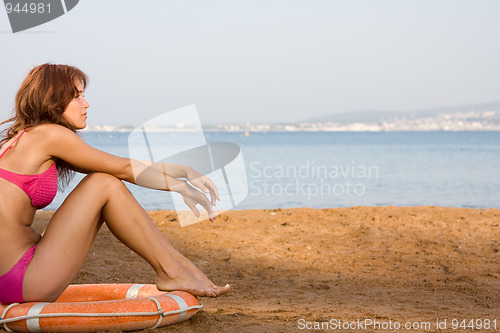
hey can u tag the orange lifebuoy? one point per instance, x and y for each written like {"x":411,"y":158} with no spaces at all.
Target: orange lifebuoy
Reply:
{"x":101,"y":307}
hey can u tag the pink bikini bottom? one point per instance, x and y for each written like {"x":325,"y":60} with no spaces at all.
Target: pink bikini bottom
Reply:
{"x":11,"y":284}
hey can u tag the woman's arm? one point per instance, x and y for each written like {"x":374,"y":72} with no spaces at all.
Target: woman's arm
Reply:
{"x":173,"y":170}
{"x":62,"y":143}
{"x":147,"y":169}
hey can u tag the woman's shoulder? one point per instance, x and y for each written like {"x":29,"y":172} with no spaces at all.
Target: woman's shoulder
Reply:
{"x":50,"y":135}
{"x":50,"y":131}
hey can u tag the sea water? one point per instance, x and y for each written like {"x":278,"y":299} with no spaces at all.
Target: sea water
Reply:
{"x":344,"y":169}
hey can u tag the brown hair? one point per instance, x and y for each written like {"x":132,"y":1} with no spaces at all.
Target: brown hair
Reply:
{"x":43,"y":97}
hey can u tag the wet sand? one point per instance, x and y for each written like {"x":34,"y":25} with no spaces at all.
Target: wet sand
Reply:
{"x":293,"y":267}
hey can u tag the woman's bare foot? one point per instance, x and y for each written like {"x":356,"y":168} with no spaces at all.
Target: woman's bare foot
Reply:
{"x":184,"y":275}
{"x":187,"y":281}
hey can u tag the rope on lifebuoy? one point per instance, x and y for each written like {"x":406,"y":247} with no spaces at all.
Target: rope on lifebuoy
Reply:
{"x":3,"y":315}
{"x":160,"y":310}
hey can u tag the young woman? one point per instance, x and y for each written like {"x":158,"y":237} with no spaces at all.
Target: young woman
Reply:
{"x":41,"y":144}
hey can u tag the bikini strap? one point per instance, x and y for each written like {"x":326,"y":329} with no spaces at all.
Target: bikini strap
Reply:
{"x":22,"y":132}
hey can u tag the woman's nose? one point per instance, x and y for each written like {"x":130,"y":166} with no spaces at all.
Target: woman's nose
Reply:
{"x":85,"y":104}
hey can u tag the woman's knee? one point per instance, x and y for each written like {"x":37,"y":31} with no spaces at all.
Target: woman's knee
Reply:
{"x":100,"y":185}
{"x":104,"y":181}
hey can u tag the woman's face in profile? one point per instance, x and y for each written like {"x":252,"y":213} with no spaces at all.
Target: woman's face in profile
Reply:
{"x":76,"y":111}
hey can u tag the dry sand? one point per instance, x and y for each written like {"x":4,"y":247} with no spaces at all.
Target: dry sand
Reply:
{"x":399,"y":264}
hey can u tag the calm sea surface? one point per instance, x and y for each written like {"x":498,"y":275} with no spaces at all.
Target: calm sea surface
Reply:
{"x":320,"y":169}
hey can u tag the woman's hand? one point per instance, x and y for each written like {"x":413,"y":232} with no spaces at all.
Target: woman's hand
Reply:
{"x":203,"y":183}
{"x":192,"y":197}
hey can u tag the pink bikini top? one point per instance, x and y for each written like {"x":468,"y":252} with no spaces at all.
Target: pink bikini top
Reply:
{"x":41,"y":188}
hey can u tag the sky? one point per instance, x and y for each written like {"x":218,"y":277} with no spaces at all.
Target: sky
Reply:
{"x":264,"y":60}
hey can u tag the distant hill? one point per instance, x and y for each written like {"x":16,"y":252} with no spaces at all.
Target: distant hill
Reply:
{"x":380,"y":115}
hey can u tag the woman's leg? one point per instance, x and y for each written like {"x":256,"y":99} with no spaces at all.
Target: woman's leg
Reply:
{"x":64,"y":247}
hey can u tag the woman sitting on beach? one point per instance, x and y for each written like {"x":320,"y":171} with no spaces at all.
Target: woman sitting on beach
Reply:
{"x":42,"y":144}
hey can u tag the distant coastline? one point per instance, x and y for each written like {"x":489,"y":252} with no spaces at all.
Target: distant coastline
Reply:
{"x":470,"y":121}
{"x":479,"y":117}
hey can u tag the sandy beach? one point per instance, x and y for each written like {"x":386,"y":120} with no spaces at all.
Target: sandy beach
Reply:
{"x":290,"y":268}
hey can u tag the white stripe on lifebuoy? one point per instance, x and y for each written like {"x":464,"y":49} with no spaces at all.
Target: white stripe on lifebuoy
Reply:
{"x":34,"y":323}
{"x":182,"y":306}
{"x":133,"y":291}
